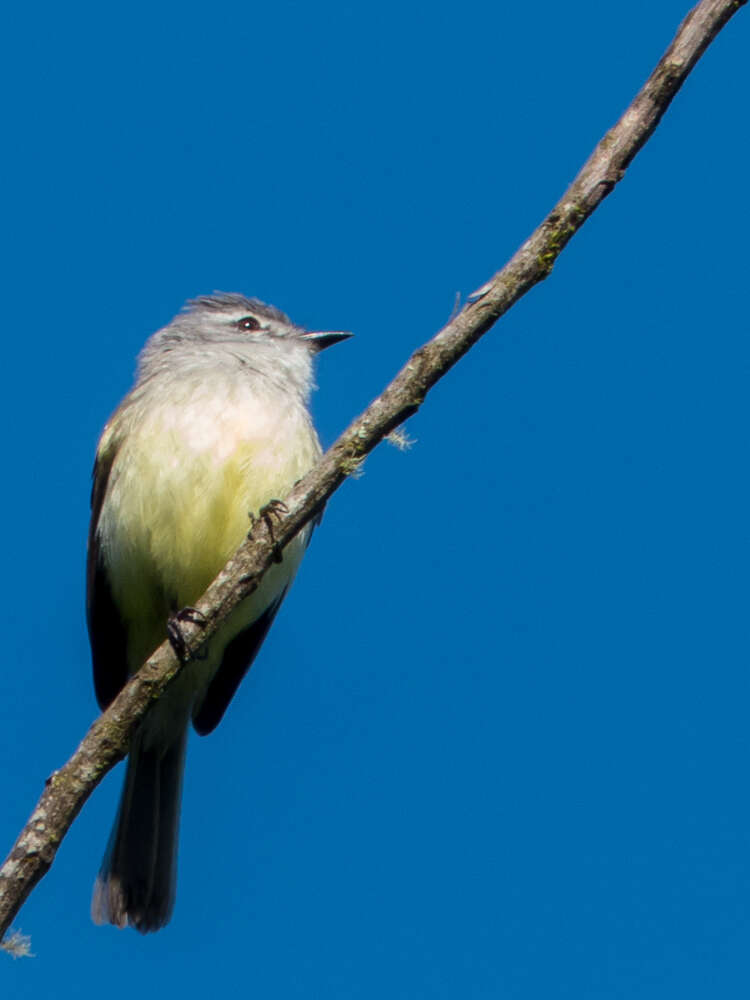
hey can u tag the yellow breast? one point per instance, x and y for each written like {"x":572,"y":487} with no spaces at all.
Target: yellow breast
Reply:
{"x":188,"y":472}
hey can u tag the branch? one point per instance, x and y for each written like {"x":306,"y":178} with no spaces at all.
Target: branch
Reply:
{"x":108,"y":739}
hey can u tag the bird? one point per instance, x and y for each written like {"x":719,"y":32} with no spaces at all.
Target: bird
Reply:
{"x":216,"y":427}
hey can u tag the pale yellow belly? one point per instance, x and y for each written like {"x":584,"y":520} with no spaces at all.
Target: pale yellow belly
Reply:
{"x":181,"y":490}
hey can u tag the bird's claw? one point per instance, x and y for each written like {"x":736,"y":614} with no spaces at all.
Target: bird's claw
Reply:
{"x":274,"y":508}
{"x":175,"y":634}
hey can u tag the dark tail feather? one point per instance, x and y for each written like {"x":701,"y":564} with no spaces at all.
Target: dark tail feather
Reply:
{"x":138,"y":877}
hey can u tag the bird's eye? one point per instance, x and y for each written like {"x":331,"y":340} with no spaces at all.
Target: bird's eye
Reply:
{"x":248,"y":323}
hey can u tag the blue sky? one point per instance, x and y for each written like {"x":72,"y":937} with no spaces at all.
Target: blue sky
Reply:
{"x":496,"y":743}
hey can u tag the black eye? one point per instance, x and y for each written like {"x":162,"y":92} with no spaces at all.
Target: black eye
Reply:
{"x":248,"y":323}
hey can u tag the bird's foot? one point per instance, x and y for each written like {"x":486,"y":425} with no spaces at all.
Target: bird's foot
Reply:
{"x":274,"y":508}
{"x":192,"y":615}
{"x":175,"y":634}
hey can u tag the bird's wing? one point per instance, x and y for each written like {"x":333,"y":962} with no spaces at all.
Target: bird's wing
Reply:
{"x":106,"y":629}
{"x":237,"y":660}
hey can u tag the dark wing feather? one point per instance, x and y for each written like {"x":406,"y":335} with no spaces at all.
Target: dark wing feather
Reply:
{"x":106,"y":630}
{"x":238,"y":657}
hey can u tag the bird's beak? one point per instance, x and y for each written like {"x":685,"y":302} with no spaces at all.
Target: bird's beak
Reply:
{"x":320,"y":339}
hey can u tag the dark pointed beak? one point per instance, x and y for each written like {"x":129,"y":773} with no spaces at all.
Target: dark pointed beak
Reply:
{"x":320,"y":339}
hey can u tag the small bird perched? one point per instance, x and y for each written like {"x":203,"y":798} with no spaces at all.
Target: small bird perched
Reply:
{"x":216,"y":426}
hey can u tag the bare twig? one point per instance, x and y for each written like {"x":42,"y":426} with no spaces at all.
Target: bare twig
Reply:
{"x":108,"y":739}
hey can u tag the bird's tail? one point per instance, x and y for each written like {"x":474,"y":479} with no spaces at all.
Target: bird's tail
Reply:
{"x":138,"y":877}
